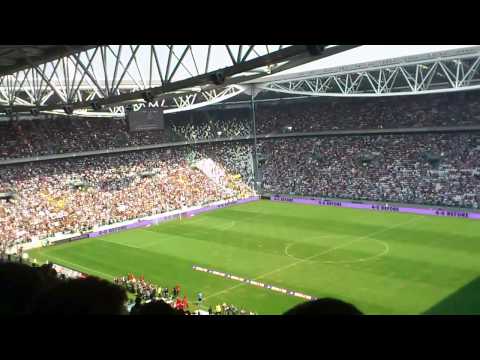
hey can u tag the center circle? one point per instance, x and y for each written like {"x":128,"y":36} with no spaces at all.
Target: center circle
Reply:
{"x":382,"y":247}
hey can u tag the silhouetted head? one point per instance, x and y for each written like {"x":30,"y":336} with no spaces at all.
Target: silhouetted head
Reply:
{"x":82,"y":297}
{"x":326,"y":306}
{"x":48,"y":273}
{"x":19,"y":284}
{"x":158,"y":307}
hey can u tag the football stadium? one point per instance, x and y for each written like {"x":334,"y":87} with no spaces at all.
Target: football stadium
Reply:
{"x":240,"y":179}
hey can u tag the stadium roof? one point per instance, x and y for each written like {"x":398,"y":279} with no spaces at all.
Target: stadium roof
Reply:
{"x":19,"y":57}
{"x":367,"y":57}
{"x":182,"y":77}
{"x":431,"y":72}
{"x":157,"y":71}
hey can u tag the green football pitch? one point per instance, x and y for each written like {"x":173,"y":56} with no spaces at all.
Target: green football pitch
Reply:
{"x":384,"y":263}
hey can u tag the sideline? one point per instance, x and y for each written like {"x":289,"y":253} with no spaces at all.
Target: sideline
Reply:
{"x":77,"y":266}
{"x":144,"y":222}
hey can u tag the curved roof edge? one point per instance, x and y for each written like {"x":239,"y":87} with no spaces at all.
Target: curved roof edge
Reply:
{"x":425,"y":57}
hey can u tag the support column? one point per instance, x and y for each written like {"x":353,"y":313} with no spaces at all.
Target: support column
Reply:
{"x":253,"y":92}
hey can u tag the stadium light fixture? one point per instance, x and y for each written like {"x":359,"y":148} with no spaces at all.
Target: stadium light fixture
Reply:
{"x":219,"y":133}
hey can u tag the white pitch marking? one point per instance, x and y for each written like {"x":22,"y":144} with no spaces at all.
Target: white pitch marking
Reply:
{"x":415,"y":219}
{"x":385,"y":251}
{"x":288,"y":246}
{"x":286,"y":251}
{"x":79,"y":266}
{"x":227,"y":226}
{"x":223,"y":227}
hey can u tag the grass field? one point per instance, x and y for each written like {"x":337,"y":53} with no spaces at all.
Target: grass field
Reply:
{"x":384,"y":263}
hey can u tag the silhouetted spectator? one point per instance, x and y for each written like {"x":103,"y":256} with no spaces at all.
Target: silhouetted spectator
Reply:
{"x":137,"y":306}
{"x":326,"y":306}
{"x":87,"y":296}
{"x":48,"y":273}
{"x":19,"y":284}
{"x":158,"y":307}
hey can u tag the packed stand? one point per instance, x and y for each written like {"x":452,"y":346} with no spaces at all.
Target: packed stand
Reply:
{"x":235,"y":157}
{"x":208,"y":125}
{"x":448,"y":109}
{"x":76,"y":195}
{"x":435,"y":169}
{"x":63,"y":135}
{"x":71,"y":134}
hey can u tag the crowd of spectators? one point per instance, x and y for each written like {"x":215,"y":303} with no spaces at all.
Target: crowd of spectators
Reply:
{"x":66,"y":134}
{"x":76,"y":195}
{"x":235,"y":157}
{"x":435,"y":169}
{"x":450,"y":109}
{"x":204,"y":125}
{"x":147,"y":292}
{"x":61,"y":135}
{"x":141,"y":288}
